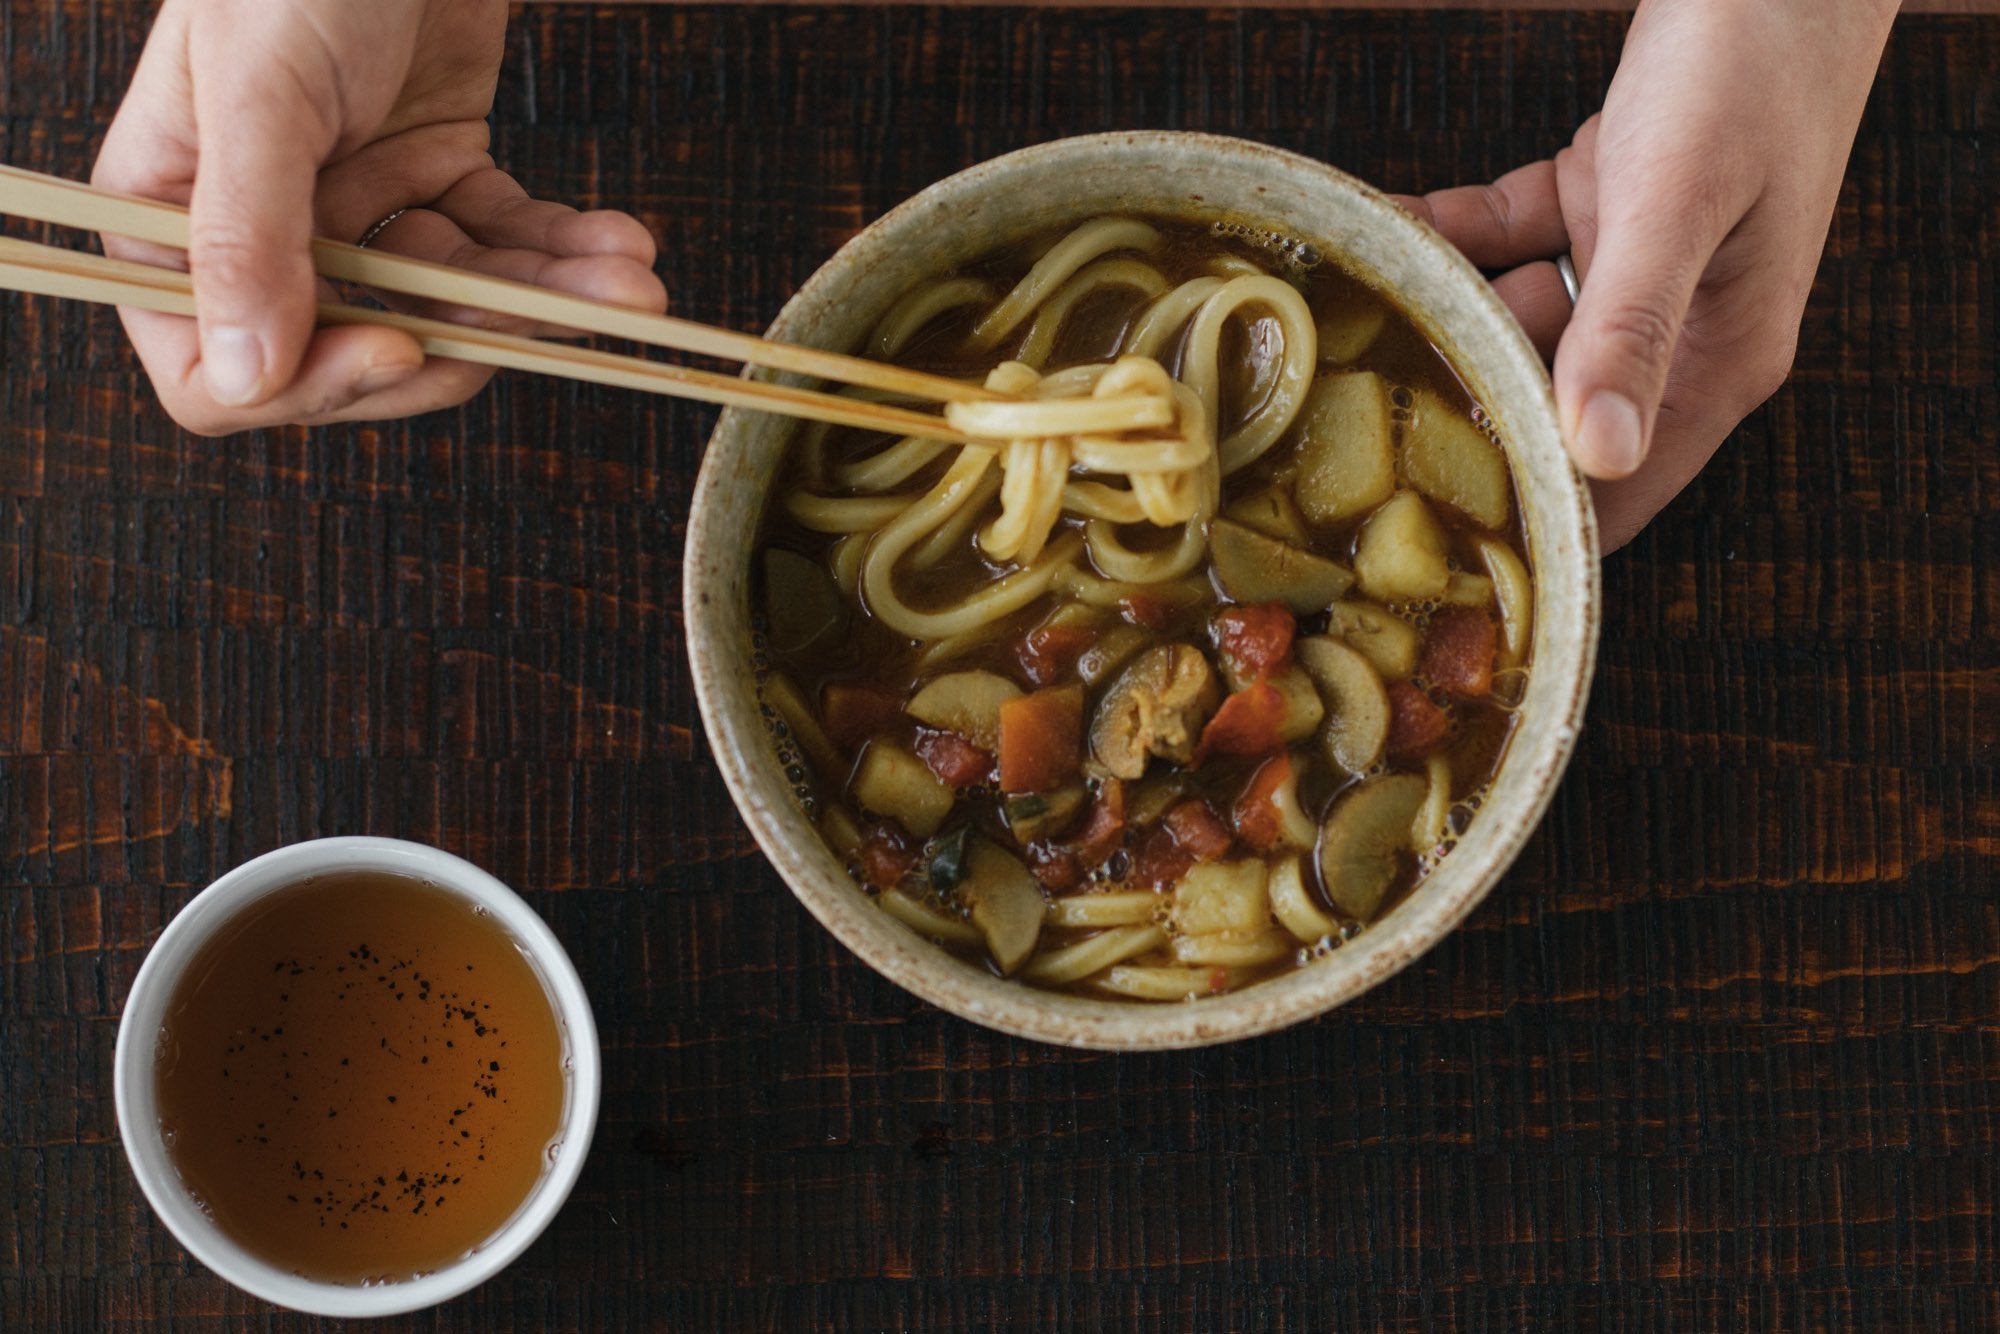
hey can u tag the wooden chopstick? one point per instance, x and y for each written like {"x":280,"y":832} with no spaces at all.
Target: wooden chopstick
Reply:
{"x":66,"y":203}
{"x":27,"y":266}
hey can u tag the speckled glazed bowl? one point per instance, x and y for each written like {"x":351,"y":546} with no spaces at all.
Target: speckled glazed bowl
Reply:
{"x":1183,"y":176}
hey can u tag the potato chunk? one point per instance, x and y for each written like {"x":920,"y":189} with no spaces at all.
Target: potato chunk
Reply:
{"x":1346,"y":447}
{"x":802,"y":720}
{"x":1294,"y":905}
{"x":1389,"y":642}
{"x":1303,"y":707}
{"x":1516,"y":597}
{"x":1351,"y":330}
{"x":1222,"y":896}
{"x":1401,"y":555}
{"x":1452,"y":461}
{"x":1466,"y":589}
{"x":1429,"y":828}
{"x":967,"y":703}
{"x":891,"y":781}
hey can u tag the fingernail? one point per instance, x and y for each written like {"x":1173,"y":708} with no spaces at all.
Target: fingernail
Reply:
{"x":1609,"y":432}
{"x":232,"y":362}
{"x":384,"y":375}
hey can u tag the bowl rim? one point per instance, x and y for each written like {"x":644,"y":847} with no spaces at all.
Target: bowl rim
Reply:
{"x":1565,"y":521}
{"x":222,"y":902}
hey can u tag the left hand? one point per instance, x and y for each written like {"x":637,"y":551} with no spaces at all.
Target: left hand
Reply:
{"x":1695,"y":207}
{"x":275,"y":120}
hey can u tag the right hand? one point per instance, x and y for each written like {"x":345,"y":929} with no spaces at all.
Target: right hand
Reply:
{"x":1696,"y":206}
{"x":275,"y":120}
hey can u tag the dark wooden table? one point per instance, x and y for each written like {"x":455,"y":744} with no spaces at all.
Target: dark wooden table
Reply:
{"x":1722,"y":1052}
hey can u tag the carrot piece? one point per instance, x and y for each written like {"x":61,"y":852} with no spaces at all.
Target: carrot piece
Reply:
{"x":1056,"y":866}
{"x":854,"y":712}
{"x":1256,"y":638}
{"x":1248,"y":723}
{"x":1041,"y":739}
{"x":1197,"y":828}
{"x":885,"y":857}
{"x":1146,"y":610}
{"x":1258,"y":820}
{"x":1416,"y":725}
{"x":1458,"y":652}
{"x":1105,"y":829}
{"x":954,"y":759}
{"x":1049,"y":652}
{"x":1159,"y":859}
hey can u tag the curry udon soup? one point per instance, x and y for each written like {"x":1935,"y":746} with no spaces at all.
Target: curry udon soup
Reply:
{"x":1192,"y":657}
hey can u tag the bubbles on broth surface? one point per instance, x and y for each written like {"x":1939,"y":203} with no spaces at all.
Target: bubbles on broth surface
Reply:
{"x":1484,"y":421}
{"x":1428,"y":861}
{"x":1295,"y":255}
{"x":1415,"y":614}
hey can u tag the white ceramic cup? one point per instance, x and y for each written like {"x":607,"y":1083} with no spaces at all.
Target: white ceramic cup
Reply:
{"x":145,"y":1013}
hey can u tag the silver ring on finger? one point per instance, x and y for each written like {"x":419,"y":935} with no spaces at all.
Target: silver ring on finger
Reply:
{"x":382,"y":225}
{"x":1566,"y":268}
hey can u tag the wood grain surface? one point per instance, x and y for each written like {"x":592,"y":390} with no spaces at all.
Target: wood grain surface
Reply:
{"x":1723,"y":1051}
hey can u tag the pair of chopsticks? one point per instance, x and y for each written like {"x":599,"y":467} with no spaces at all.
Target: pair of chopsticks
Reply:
{"x":79,"y":275}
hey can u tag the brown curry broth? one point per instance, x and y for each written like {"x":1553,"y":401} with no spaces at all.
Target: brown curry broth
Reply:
{"x":870,"y":652}
{"x":360,"y":1079}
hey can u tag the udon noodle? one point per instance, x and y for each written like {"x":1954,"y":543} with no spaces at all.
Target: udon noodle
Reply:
{"x":1116,"y":443}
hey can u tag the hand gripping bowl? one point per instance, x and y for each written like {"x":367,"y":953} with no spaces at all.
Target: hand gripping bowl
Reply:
{"x":1171,"y":175}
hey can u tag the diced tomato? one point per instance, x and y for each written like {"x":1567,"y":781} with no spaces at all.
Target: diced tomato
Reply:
{"x":1144,"y":609}
{"x":1458,"y":652}
{"x":1416,"y":725}
{"x":886,"y":856}
{"x":1105,"y":829}
{"x":1041,"y":739}
{"x":853,"y":712}
{"x":1055,"y":866}
{"x":1258,"y":822}
{"x":1159,"y":859}
{"x":1257,"y":639}
{"x":1218,"y":980}
{"x":953,"y":759}
{"x":1248,"y":723}
{"x":1049,"y":652}
{"x":1196,"y":828}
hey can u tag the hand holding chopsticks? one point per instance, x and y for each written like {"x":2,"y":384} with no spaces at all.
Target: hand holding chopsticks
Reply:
{"x":275,"y":119}
{"x":56,"y":271}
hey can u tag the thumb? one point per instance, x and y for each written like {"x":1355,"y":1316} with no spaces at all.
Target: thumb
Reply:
{"x":1611,"y":365}
{"x":263,"y":127}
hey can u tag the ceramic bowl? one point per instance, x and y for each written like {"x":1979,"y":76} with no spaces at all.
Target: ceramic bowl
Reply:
{"x":180,"y":945}
{"x":1173,"y":175}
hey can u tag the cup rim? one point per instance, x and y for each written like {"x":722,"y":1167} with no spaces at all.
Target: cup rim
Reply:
{"x":223,"y":901}
{"x":1562,"y":537}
